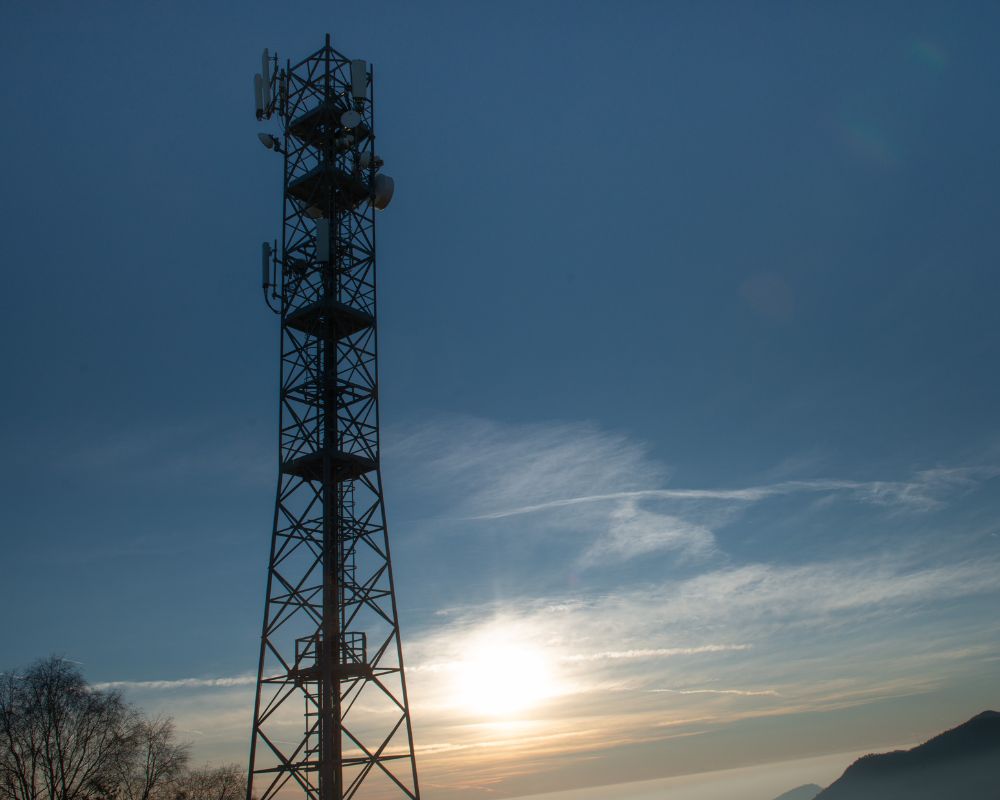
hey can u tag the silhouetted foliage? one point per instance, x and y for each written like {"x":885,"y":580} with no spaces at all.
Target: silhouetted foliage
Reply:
{"x":60,"y":739}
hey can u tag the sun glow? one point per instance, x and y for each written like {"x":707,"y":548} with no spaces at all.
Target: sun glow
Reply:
{"x":503,"y":679}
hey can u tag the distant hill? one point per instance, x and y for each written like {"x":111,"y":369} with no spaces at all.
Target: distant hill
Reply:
{"x":960,"y":764}
{"x":807,"y":792}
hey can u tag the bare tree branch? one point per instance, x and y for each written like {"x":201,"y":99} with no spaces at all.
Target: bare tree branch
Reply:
{"x":219,"y":783}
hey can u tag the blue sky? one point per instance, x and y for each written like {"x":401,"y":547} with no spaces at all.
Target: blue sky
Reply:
{"x":688,"y":344}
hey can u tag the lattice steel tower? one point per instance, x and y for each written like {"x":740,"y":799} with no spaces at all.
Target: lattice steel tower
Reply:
{"x":331,"y":718}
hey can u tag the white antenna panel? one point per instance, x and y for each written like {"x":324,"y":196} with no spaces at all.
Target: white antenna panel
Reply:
{"x":359,"y":79}
{"x":265,"y":72}
{"x":258,"y":92}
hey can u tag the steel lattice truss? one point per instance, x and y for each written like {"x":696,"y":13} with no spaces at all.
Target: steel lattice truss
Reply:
{"x":331,"y":718}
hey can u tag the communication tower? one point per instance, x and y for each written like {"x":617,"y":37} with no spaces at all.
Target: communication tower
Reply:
{"x":331,"y":717}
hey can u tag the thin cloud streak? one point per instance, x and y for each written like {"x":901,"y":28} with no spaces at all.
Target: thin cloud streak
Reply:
{"x":918,"y":494}
{"x":249,"y":680}
{"x":660,"y":652}
{"x":736,"y":692}
{"x":180,"y":683}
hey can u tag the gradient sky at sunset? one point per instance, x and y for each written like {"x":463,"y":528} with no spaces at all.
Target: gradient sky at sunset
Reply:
{"x":688,"y":329}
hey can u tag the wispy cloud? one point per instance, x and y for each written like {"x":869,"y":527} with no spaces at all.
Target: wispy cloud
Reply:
{"x":686,"y":633}
{"x":658,"y":652}
{"x":608,"y":490}
{"x":734,"y":692}
{"x":633,"y":531}
{"x":741,"y":606}
{"x":180,"y":683}
{"x":732,"y":643}
{"x":614,"y":654}
{"x":629,"y":640}
{"x":926,"y":491}
{"x":491,"y":467}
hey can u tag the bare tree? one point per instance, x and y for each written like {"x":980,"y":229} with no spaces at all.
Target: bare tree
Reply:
{"x":155,"y":763}
{"x":228,"y":782}
{"x":20,"y":748}
{"x":62,"y":740}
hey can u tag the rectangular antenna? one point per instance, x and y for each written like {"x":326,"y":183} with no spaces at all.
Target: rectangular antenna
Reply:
{"x":265,"y":257}
{"x":359,"y":80}
{"x":265,"y":74}
{"x":258,"y":94}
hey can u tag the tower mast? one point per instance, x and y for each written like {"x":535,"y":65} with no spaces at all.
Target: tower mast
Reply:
{"x":331,"y":715}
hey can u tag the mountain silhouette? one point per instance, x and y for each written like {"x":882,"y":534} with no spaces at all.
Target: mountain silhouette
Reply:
{"x":807,"y":792}
{"x":960,"y":764}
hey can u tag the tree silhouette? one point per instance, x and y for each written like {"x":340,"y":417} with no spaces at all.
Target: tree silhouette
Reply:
{"x":60,"y":739}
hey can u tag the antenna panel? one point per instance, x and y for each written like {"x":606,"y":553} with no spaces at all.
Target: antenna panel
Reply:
{"x":265,"y":258}
{"x":265,"y":72}
{"x":359,"y":80}
{"x":258,"y":93}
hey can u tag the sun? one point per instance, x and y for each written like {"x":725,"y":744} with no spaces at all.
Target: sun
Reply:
{"x":503,"y":679}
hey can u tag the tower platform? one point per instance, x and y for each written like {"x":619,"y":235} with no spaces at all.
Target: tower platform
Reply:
{"x":326,"y":181}
{"x":317,"y":125}
{"x":346,"y":466}
{"x":329,"y":319}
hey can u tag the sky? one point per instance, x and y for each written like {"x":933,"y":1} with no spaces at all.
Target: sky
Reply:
{"x":688,"y":374}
